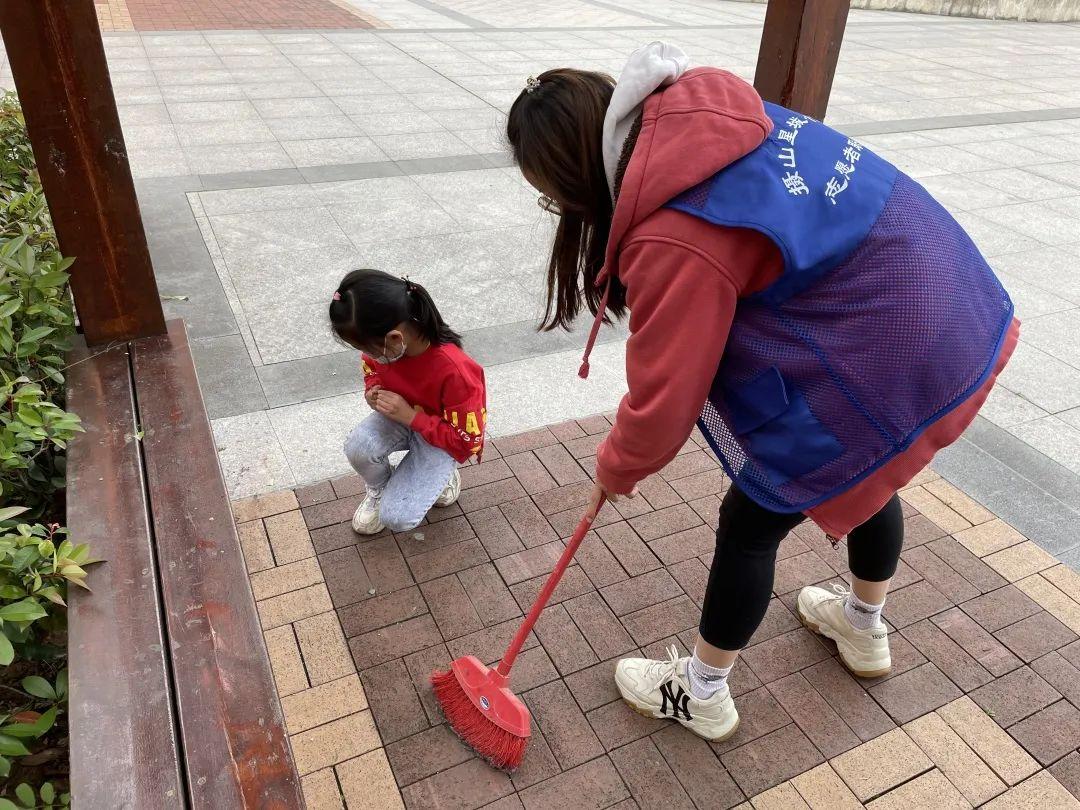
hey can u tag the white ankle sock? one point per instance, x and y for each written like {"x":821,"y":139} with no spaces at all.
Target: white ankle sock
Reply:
{"x":705,"y":681}
{"x":862,"y":615}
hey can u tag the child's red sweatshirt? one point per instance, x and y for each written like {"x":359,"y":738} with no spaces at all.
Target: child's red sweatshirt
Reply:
{"x":446,"y":389}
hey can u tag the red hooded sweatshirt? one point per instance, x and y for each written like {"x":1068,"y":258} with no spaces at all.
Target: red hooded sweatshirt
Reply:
{"x":684,"y":277}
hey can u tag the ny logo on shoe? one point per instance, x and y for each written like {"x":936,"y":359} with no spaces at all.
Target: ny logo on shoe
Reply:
{"x":679,"y":702}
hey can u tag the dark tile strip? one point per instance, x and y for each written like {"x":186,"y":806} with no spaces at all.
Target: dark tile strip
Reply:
{"x":954,"y":121}
{"x":1016,"y":482}
{"x":472,"y":22}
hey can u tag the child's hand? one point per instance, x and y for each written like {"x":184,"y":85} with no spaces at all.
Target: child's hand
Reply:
{"x":371,"y":394}
{"x":393,"y":406}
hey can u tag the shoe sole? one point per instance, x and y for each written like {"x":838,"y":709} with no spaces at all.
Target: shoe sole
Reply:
{"x":813,"y":627}
{"x":367,"y":533}
{"x":644,"y":712}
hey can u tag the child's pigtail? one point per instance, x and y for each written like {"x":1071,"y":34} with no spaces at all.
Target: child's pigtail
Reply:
{"x":426,"y":316}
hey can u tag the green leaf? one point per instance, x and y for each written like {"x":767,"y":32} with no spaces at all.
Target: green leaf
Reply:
{"x":11,"y":747}
{"x":48,"y":793}
{"x":7,"y":652}
{"x":39,"y":687}
{"x":8,"y":308}
{"x":5,"y":767}
{"x":28,"y":416}
{"x":25,"y":794}
{"x":27,"y":610}
{"x":36,"y":334}
{"x":53,"y":595}
{"x":8,"y":512}
{"x":62,"y":684}
{"x":15,"y":246}
{"x":45,"y":722}
{"x":23,"y":730}
{"x":54,"y":279}
{"x":7,"y":804}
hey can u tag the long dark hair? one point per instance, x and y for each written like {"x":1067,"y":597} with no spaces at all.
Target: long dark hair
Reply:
{"x":369,"y":304}
{"x":556,"y":133}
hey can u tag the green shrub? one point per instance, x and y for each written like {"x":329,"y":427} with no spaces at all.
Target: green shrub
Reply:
{"x":36,"y":326}
{"x":49,"y":798}
{"x":43,"y":703}
{"x":37,"y":561}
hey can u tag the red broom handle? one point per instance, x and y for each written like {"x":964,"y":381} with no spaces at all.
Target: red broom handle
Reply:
{"x":549,"y":587}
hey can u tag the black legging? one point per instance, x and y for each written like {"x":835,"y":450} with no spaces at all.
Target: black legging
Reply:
{"x":741,"y":579}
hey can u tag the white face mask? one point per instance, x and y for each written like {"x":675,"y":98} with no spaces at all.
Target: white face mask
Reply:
{"x":386,"y":359}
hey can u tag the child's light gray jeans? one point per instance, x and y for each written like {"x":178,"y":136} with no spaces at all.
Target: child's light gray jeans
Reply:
{"x":409,"y":492}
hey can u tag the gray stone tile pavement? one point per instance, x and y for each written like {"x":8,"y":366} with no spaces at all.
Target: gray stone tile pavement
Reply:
{"x":269,"y":163}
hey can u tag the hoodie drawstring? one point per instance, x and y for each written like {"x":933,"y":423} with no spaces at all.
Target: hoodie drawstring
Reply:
{"x":583,"y":372}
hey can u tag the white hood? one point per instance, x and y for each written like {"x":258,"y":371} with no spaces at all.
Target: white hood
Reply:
{"x":649,"y":67}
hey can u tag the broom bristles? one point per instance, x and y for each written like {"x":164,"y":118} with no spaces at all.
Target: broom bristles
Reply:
{"x":498,"y":746}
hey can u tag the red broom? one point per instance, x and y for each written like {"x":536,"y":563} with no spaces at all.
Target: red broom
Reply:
{"x":477,"y":700}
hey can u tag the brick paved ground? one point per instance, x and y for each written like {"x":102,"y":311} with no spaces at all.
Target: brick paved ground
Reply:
{"x":981,"y":707}
{"x":220,"y":15}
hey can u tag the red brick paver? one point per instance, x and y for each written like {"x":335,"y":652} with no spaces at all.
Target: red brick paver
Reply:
{"x":214,"y":15}
{"x":983,"y":703}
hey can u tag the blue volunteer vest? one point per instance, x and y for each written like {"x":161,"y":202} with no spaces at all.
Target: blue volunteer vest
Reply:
{"x":884,"y":319}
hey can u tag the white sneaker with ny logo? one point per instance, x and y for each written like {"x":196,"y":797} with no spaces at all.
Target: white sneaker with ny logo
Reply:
{"x":662,"y":689}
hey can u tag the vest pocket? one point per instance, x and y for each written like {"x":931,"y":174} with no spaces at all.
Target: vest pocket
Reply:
{"x":777,"y":428}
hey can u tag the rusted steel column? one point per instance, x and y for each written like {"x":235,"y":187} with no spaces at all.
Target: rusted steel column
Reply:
{"x":58,"y":62}
{"x":799,"y":50}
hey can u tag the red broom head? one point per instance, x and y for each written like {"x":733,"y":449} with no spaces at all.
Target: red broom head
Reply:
{"x":502,"y":748}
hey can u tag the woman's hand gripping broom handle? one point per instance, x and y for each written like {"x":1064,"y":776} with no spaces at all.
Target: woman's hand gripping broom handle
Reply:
{"x":545,"y":593}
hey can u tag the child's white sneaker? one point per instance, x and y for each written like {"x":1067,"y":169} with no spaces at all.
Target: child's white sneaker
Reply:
{"x":662,"y":689}
{"x":366,"y":519}
{"x":864,"y":652}
{"x":450,"y":494}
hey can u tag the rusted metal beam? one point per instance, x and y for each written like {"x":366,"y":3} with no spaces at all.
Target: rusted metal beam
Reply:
{"x":58,"y":63}
{"x":799,"y":50}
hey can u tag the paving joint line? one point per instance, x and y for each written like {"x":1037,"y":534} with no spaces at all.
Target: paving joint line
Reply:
{"x":422,"y":61}
{"x":613,"y":7}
